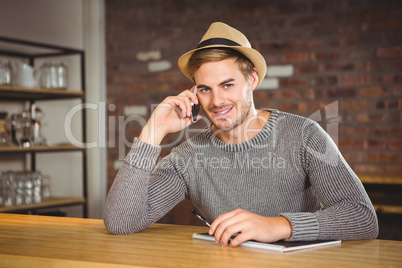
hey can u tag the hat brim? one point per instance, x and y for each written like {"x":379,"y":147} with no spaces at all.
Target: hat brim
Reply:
{"x":253,"y":55}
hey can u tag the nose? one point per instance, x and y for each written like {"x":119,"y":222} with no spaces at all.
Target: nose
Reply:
{"x":218,"y":98}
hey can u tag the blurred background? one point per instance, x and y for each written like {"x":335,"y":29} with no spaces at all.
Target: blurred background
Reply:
{"x":338,"y":62}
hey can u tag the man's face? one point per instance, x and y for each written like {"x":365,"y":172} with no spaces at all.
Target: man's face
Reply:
{"x":224,"y":93}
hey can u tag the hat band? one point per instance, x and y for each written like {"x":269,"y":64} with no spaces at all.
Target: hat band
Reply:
{"x":218,"y":41}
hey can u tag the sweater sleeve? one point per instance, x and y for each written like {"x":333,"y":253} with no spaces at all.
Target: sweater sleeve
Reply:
{"x":347,"y":212}
{"x":142,"y":191}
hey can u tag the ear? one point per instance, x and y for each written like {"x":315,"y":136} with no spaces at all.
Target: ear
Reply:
{"x":254,"y":79}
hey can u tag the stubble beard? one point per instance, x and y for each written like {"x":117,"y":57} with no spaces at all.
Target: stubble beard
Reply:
{"x":227,"y":124}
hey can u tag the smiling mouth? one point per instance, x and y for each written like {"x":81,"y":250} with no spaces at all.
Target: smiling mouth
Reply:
{"x":222,"y":112}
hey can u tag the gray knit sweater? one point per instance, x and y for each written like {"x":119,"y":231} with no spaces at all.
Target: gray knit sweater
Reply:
{"x":291,"y":168}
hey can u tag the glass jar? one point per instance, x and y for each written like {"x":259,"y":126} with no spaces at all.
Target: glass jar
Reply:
{"x":48,"y":75}
{"x":62,"y":75}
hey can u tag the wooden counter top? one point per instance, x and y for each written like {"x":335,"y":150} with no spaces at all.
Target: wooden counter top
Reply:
{"x":40,"y":241}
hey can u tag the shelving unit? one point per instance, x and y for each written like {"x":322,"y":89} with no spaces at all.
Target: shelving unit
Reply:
{"x":31,"y":51}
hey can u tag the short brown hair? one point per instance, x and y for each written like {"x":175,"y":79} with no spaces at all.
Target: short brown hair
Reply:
{"x":218,"y":54}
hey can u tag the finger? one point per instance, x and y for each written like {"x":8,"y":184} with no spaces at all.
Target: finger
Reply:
{"x":243,"y":236}
{"x":181,"y":102}
{"x":190,"y":99}
{"x":181,"y":105}
{"x":189,"y":106}
{"x":194,"y":98}
{"x":227,"y":227}
{"x":218,"y":220}
{"x":233,"y":230}
{"x":190,"y":94}
{"x":223,"y":217}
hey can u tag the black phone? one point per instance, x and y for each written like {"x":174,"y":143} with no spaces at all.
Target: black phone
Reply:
{"x":195,"y":109}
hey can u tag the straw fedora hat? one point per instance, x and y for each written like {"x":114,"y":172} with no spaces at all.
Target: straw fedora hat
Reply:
{"x":222,"y":35}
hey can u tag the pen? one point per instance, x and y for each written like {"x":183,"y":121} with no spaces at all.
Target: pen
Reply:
{"x":198,"y":215}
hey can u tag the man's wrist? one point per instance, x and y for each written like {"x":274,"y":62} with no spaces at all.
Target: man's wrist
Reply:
{"x":287,"y":228}
{"x":150,"y":135}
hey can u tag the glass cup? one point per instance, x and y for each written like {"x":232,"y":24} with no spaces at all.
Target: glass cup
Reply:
{"x":45,"y":188}
{"x":36,"y":179}
{"x":5,"y":72}
{"x":20,"y":194}
{"x":3,"y":177}
{"x":10,"y":189}
{"x":23,"y":187}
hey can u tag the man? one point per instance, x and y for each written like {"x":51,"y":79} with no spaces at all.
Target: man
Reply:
{"x":264,"y":174}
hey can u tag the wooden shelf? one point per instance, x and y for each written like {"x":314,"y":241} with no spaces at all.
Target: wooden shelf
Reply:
{"x":21,"y":93}
{"x":380,"y":179}
{"x":53,"y":202}
{"x":388,"y":208}
{"x":52,"y":148}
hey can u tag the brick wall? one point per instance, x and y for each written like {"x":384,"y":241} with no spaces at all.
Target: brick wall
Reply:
{"x":338,"y":62}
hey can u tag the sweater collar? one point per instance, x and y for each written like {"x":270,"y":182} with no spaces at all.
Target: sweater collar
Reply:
{"x":254,"y":142}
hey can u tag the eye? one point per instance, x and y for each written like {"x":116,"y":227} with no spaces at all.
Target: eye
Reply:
{"x":228,"y":85}
{"x":204,"y":89}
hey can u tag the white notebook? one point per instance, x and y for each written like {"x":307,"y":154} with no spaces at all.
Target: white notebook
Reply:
{"x":281,"y":246}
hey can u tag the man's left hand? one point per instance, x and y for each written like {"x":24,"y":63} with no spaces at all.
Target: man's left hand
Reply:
{"x":249,"y":226}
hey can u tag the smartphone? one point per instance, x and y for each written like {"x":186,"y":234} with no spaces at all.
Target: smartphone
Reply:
{"x":195,"y":109}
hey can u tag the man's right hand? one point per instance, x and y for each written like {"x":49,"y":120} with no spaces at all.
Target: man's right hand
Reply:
{"x":171,"y":115}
